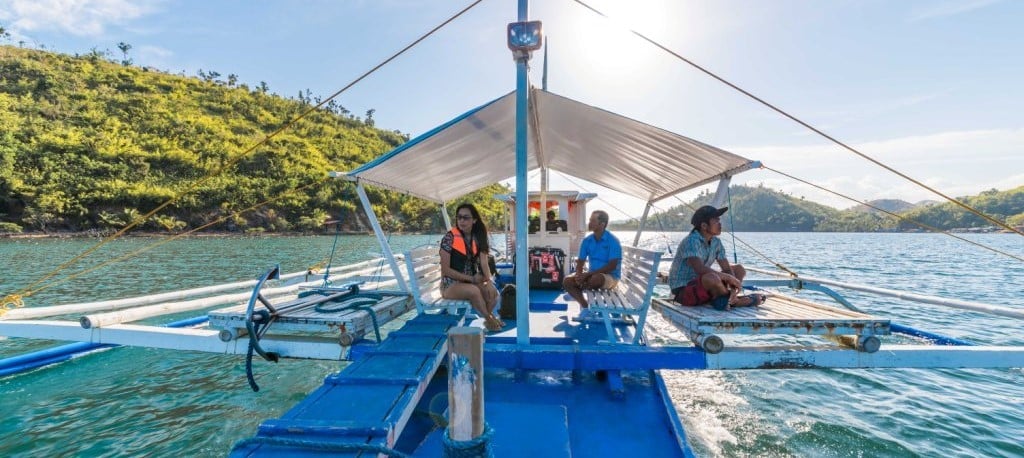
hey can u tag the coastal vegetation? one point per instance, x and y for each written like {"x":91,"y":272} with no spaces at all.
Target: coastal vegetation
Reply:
{"x":91,"y":143}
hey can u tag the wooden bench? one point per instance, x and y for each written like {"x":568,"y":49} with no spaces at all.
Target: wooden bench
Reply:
{"x":424,"y":265}
{"x":632,"y":297}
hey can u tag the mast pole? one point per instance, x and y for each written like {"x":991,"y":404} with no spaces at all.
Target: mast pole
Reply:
{"x":544,"y":77}
{"x":522,"y":278}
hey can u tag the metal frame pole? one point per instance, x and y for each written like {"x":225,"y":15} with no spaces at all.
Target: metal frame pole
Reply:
{"x":522,"y":197}
{"x":381,"y":239}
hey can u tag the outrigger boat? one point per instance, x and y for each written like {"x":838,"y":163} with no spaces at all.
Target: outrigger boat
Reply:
{"x":547,"y":385}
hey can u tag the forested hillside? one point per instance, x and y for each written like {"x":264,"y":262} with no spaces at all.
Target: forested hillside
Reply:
{"x":1005,"y":206}
{"x":760,"y":209}
{"x":90,"y":144}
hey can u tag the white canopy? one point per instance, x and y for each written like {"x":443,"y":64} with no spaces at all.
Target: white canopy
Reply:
{"x":478,"y":149}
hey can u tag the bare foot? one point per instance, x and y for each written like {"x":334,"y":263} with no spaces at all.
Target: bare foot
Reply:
{"x":493,"y":325}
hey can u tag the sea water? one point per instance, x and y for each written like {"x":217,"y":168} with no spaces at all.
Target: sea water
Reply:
{"x":137,"y":401}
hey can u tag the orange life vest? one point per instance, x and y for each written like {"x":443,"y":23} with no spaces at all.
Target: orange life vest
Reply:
{"x":459,"y":243}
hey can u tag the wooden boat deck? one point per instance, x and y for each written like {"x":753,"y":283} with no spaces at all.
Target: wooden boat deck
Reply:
{"x":388,"y":398}
{"x":350,"y":318}
{"x":778,"y":315}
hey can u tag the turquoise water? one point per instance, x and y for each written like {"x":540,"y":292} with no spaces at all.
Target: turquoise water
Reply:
{"x":134,"y":401}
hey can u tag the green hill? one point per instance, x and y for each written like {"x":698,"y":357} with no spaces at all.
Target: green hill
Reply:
{"x":889,"y":205}
{"x":89,"y":144}
{"x":758,"y":209}
{"x":1007,"y":206}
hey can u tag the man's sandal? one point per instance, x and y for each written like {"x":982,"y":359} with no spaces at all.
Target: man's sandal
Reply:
{"x":750,"y":300}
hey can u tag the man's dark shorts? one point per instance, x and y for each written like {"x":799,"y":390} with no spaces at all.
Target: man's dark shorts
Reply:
{"x":692,"y":294}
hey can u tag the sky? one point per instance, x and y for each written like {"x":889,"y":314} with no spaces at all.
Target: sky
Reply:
{"x":930,"y":88}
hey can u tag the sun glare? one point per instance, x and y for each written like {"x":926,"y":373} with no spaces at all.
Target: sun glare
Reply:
{"x":603,"y":53}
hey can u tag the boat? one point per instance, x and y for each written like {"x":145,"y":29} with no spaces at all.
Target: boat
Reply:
{"x":547,"y":385}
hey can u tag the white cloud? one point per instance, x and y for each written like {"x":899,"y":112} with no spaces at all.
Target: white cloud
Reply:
{"x":152,"y":56}
{"x":955,"y":163}
{"x":77,"y":17}
{"x":950,"y":8}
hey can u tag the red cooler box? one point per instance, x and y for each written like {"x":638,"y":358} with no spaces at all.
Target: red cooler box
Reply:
{"x":547,"y":268}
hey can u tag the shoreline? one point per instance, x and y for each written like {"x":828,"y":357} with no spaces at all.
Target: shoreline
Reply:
{"x":225,"y":234}
{"x":150,"y":234}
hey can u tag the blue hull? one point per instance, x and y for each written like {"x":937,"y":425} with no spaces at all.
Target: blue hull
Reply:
{"x":392,"y":399}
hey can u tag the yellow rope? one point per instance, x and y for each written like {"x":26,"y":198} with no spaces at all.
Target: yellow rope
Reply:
{"x":320,"y":264}
{"x":919,"y":224}
{"x":810,"y":127}
{"x":11,"y":302}
{"x":232,"y":161}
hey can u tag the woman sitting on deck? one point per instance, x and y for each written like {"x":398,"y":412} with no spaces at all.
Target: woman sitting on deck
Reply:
{"x":463,"y":251}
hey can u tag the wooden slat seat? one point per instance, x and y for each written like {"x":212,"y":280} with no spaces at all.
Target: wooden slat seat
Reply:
{"x":632,"y":296}
{"x":778,"y":315}
{"x":424,"y":266}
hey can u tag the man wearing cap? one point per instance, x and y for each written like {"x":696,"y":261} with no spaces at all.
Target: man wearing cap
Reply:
{"x":691,"y":277}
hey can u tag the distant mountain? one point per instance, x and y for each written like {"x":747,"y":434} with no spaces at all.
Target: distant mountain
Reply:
{"x":758,"y":209}
{"x":1006,"y":206}
{"x":889,"y":205}
{"x":752,"y":209}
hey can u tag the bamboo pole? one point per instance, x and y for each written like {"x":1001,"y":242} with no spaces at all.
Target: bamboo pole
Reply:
{"x":465,"y":383}
{"x":84,"y":307}
{"x":29,"y":313}
{"x":964,"y":305}
{"x":135,"y":314}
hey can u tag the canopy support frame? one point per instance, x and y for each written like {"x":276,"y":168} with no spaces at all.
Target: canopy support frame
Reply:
{"x":643,"y":223}
{"x":385,"y":246}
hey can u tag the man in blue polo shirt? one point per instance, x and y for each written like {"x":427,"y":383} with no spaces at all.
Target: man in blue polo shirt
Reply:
{"x":604,"y":252}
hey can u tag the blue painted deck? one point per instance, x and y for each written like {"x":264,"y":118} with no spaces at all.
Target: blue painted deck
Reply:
{"x":552,"y":414}
{"x":393,"y":395}
{"x":363,"y":406}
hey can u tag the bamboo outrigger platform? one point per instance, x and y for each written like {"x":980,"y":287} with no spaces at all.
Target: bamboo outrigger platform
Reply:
{"x":335,"y":313}
{"x":779,"y":314}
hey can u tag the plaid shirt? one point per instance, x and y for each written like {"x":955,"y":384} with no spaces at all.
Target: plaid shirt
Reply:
{"x":693,"y":246}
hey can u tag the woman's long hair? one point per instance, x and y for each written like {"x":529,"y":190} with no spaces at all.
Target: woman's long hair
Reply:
{"x":479,"y":229}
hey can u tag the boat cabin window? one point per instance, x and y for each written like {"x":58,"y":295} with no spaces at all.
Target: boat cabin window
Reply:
{"x":551,"y":222}
{"x":534,"y":224}
{"x":554,"y":225}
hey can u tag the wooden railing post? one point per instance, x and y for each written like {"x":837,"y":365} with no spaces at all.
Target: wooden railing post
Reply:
{"x":465,"y":383}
